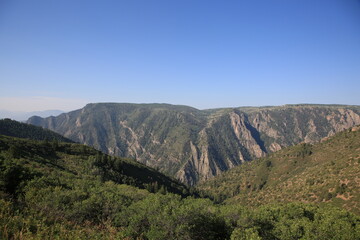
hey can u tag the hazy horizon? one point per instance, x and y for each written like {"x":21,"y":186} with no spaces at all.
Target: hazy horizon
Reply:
{"x":4,"y":111}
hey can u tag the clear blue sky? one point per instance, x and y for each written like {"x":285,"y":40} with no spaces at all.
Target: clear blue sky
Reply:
{"x":205,"y":54}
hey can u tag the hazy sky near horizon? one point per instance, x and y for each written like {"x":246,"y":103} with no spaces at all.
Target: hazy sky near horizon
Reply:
{"x":206,"y":54}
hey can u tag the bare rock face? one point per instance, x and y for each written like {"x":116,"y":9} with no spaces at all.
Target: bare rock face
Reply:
{"x":243,"y":133}
{"x":354,"y":129}
{"x":275,"y":147}
{"x":194,"y":145}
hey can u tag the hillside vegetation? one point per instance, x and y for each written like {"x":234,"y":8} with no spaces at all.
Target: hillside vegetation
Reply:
{"x":194,"y":145}
{"x":79,"y":159}
{"x":56,"y":190}
{"x":13,"y":128}
{"x":326,"y":172}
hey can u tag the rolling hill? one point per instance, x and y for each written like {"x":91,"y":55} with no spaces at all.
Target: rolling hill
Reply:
{"x":13,"y":128}
{"x":78,"y":159}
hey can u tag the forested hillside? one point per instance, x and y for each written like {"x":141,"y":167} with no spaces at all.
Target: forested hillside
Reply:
{"x":69,"y":191}
{"x":13,"y":128}
{"x":195,"y":145}
{"x":326,"y":172}
{"x":56,"y":190}
{"x":80,"y":159}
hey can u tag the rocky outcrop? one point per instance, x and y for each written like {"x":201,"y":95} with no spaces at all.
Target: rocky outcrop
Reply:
{"x":195,"y":145}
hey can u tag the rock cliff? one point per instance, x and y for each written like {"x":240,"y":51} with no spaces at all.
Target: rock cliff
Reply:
{"x":195,"y":145}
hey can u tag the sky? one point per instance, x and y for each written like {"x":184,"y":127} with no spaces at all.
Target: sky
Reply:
{"x":206,"y":54}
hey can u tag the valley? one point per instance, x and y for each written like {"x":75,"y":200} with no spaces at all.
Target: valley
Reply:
{"x":322,"y":173}
{"x":52,"y":188}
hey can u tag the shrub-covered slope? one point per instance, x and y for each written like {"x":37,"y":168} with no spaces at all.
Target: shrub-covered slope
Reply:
{"x":13,"y":128}
{"x":76,"y":160}
{"x":52,"y":190}
{"x":326,"y":172}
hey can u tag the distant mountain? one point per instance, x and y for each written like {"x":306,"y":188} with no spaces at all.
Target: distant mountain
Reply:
{"x":326,"y":172}
{"x":193,"y":144}
{"x":23,"y":116}
{"x":13,"y":128}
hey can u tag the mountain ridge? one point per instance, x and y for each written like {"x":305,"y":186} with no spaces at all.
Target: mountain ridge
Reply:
{"x":23,"y":116}
{"x":13,"y":128}
{"x":194,"y":144}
